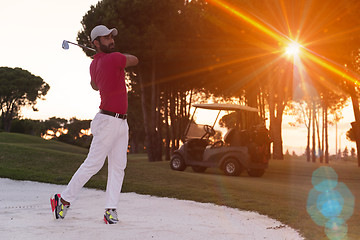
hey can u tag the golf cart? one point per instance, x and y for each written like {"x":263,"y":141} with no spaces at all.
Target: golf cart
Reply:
{"x":245,"y":146}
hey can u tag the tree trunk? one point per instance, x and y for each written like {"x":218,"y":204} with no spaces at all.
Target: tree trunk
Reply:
{"x":134,"y":148}
{"x":181,"y":114}
{"x":322,"y":135}
{"x":276,"y":108}
{"x":261,"y":103}
{"x":308,"y":135}
{"x":167,"y":127}
{"x":154,"y":151}
{"x":252,"y":101}
{"x":145,"y":115}
{"x":173,"y":122}
{"x":178,"y":119}
{"x":318,"y":137}
{"x":313,"y":154}
{"x":149,"y":116}
{"x":326,"y":136}
{"x":189,"y":106}
{"x":277,"y":139}
{"x":7,"y":124}
{"x":355,"y":125}
{"x":7,"y":117}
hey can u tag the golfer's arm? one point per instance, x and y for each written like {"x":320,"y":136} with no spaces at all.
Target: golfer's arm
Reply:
{"x":93,"y":85}
{"x":131,"y":60}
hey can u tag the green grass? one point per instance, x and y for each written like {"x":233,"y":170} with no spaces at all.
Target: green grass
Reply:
{"x":281,"y":193}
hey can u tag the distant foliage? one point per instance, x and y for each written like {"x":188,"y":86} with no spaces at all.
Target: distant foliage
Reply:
{"x":73,"y":131}
{"x":18,"y":88}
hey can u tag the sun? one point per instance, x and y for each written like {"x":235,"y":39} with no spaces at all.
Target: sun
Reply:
{"x":293,"y":49}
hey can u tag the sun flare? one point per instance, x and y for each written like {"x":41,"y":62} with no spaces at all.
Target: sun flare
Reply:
{"x":293,"y":49}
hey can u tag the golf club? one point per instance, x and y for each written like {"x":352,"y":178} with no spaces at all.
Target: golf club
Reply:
{"x":65,"y":45}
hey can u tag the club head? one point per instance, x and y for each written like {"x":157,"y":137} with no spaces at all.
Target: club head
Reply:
{"x":65,"y":45}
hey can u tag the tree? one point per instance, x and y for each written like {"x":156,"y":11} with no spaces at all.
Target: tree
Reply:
{"x":186,"y":47}
{"x":74,"y":131}
{"x":350,"y":135}
{"x":302,"y":112}
{"x":18,"y":88}
{"x":345,"y":153}
{"x":344,"y":50}
{"x":135,"y":120}
{"x":332,"y":103}
{"x":159,"y":37}
{"x":28,"y":126}
{"x":353,"y":153}
{"x":75,"y":126}
{"x":353,"y":90}
{"x":287,"y":153}
{"x":54,"y":124}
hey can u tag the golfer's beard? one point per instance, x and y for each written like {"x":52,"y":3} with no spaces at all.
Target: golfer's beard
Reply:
{"x":107,"y":49}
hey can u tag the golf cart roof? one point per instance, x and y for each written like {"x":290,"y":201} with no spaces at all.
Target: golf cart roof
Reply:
{"x":226,"y":107}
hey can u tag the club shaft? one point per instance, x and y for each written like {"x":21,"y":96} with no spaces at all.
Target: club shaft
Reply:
{"x":82,"y":46}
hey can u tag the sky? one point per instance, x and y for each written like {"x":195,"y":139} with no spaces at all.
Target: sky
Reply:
{"x":31,"y":38}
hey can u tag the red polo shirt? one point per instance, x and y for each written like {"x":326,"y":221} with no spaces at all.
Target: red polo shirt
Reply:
{"x":107,"y":72}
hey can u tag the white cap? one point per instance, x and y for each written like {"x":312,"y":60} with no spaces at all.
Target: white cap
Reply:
{"x":101,"y":30}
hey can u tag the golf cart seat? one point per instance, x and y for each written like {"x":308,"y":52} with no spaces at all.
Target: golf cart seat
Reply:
{"x":235,"y":137}
{"x":196,"y":148}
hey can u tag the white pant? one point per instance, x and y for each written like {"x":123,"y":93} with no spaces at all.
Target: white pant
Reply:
{"x":110,"y":139}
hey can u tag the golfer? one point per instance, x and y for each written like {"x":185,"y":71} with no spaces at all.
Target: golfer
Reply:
{"x":109,"y":127}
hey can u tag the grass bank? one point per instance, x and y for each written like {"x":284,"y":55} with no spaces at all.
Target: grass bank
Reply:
{"x":281,"y":193}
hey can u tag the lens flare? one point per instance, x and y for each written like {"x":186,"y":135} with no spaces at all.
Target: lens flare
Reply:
{"x":330,"y":203}
{"x":274,"y":33}
{"x":293,"y":49}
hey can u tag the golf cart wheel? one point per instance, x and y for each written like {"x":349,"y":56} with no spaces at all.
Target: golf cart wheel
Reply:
{"x":232,"y":167}
{"x":177,"y":163}
{"x":256,"y":172}
{"x":198,"y":169}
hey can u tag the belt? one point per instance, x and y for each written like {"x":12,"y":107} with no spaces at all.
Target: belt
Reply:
{"x":113,"y":114}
